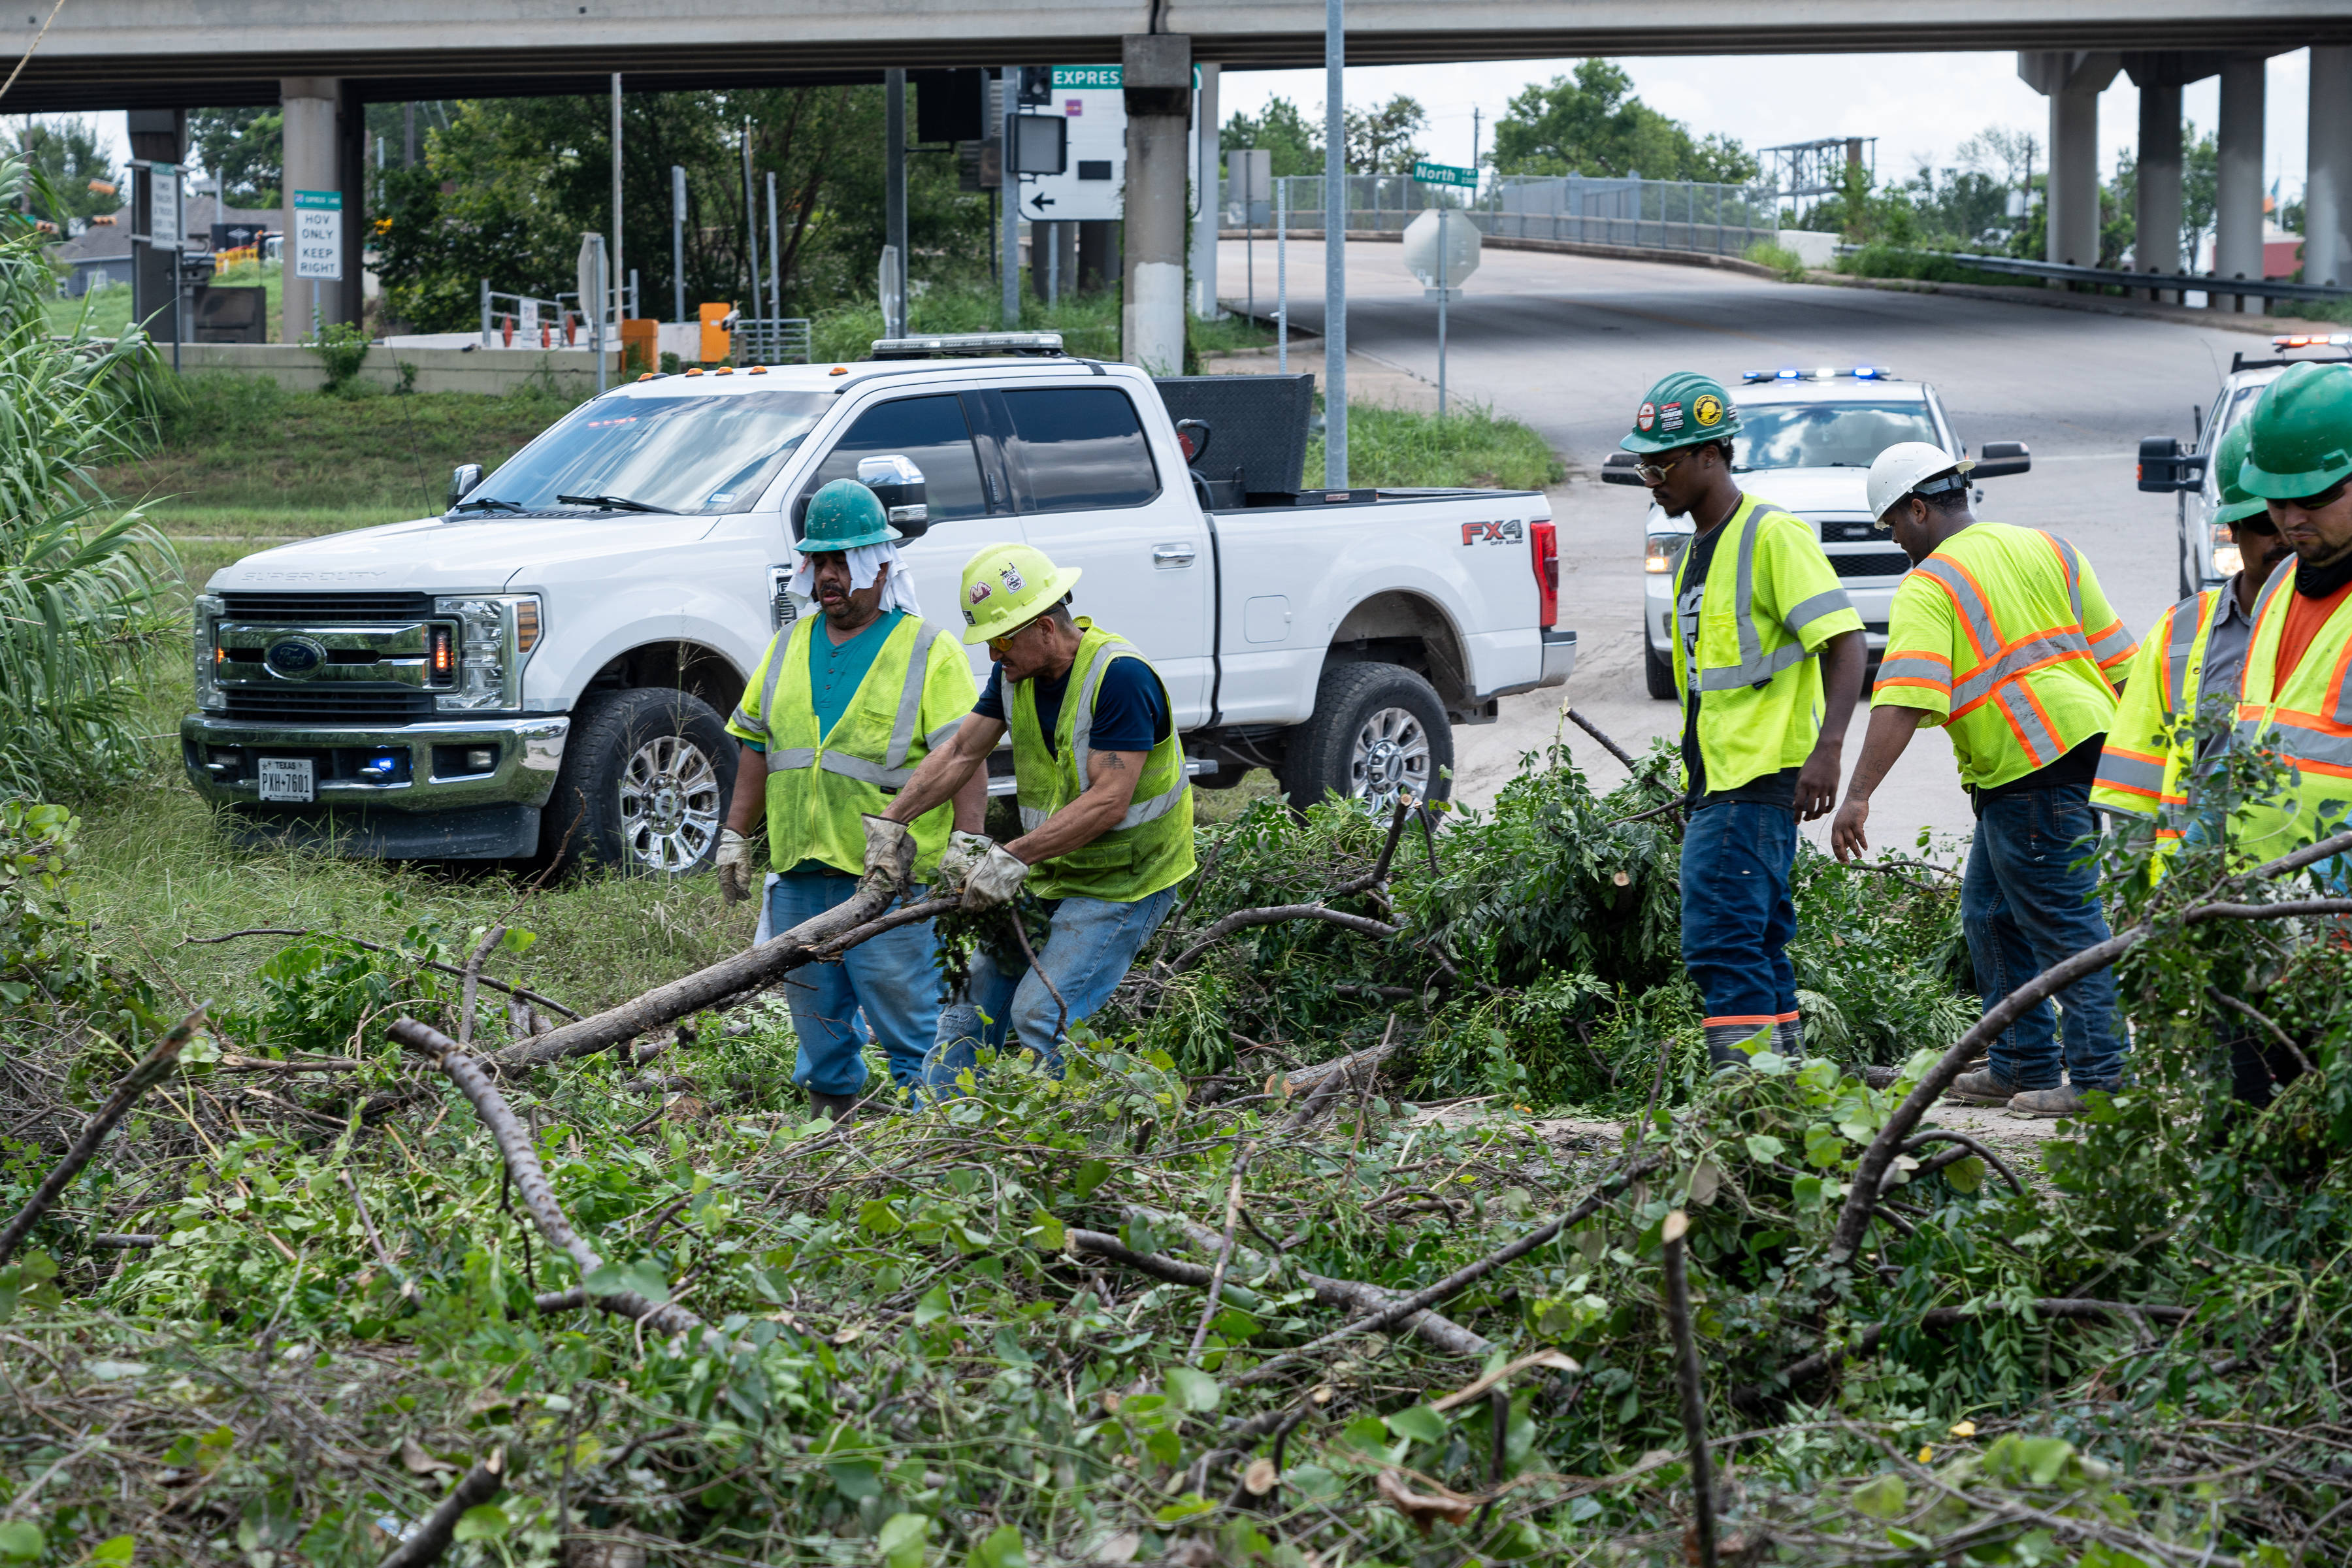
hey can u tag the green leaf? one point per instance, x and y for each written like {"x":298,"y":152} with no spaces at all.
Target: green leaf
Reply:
{"x":857,"y":1480}
{"x":1193,"y":1390}
{"x":519,"y":942}
{"x":933,"y":1305}
{"x":1091,"y":1174}
{"x":483,"y":1522}
{"x":1881,"y":1499}
{"x":901,"y":1540}
{"x":115,"y":1549}
{"x":1764,"y":1146}
{"x":1824,"y":1146}
{"x":21,"y":1538}
{"x":1965,"y":1175}
{"x":877,"y":1216}
{"x":1164,"y":1445}
{"x":1420,"y":1423}
{"x":1002,"y":1549}
{"x":1191,"y":1505}
{"x":642,"y":1275}
{"x":1052,"y":1233}
{"x":1806,"y":1192}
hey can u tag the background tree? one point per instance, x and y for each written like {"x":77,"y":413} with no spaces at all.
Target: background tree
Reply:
{"x":1591,"y":125}
{"x":244,"y":150}
{"x":1296,"y":145}
{"x":1380,"y":140}
{"x":61,"y":157}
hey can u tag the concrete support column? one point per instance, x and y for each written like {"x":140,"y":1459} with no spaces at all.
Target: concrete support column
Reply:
{"x":2071,"y":80}
{"x":2238,"y":184}
{"x":312,"y":105}
{"x":1208,"y":199}
{"x":2155,"y":239}
{"x":2327,"y":198}
{"x":1157,"y":74}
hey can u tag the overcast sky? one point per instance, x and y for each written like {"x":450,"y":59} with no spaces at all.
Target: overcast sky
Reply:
{"x":1919,"y":105}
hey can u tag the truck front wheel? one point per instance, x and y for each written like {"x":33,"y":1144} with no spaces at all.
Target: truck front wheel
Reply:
{"x":645,"y":778}
{"x":1377,"y":729}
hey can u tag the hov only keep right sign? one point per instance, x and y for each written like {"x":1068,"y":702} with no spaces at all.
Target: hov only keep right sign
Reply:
{"x":318,"y":235}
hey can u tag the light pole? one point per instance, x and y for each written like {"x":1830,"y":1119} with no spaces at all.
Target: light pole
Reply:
{"x":1335,"y":246}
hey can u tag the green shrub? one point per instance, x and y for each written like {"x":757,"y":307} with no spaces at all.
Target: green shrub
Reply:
{"x":1471,"y":446}
{"x":1780,"y":258}
{"x":342,"y":349}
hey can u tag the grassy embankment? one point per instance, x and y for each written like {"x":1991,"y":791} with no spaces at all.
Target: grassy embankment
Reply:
{"x":108,"y":309}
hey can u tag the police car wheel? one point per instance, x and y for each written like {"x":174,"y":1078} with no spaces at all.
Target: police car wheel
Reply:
{"x":1378,"y":731}
{"x":645,"y":783}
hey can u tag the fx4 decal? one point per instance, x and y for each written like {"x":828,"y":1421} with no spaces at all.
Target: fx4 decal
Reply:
{"x":1511,"y":532}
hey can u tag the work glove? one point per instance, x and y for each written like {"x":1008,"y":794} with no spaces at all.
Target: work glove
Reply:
{"x":995,"y":879}
{"x":734,"y":866}
{"x":964,"y":852}
{"x":889,"y":856}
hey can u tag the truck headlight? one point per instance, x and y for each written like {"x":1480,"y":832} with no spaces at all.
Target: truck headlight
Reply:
{"x":1662,"y":551}
{"x":206,"y":624}
{"x":2227,"y":556}
{"x":496,"y":635}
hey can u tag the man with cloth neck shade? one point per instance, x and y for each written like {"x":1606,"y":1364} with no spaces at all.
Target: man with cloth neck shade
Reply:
{"x":2002,"y":636}
{"x":2187,"y":669}
{"x":1768,"y":654}
{"x":839,"y":713}
{"x":1106,"y":810}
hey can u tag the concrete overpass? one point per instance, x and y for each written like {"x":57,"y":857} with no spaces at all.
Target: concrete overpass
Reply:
{"x":324,"y":62}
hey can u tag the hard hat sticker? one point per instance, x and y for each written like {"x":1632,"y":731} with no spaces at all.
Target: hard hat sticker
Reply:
{"x":981,"y":591}
{"x":1670,"y":417}
{"x":1708,"y":409}
{"x":1646,"y":417}
{"x":1013,"y":580}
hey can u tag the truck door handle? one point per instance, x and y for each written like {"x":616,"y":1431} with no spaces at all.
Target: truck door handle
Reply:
{"x":1168,"y":557}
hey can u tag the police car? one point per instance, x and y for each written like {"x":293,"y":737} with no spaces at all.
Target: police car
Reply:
{"x":1807,"y":440}
{"x":2208,"y":551}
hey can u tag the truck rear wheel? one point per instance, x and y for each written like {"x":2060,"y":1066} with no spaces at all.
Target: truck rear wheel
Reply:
{"x":1377,"y":729}
{"x":645,"y":779}
{"x":1658,"y":670}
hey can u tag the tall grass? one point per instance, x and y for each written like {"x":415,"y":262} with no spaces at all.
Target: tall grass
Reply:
{"x":1472,"y":446}
{"x":82,"y":584}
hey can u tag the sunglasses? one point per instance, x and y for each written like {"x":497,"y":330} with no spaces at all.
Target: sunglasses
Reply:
{"x":1003,"y":644}
{"x":2324,"y":498}
{"x":1653,"y":473}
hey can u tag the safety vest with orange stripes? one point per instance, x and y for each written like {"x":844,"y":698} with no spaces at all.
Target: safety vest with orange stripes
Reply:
{"x":2144,"y":767}
{"x":2004,"y":635}
{"x":2307,"y":720}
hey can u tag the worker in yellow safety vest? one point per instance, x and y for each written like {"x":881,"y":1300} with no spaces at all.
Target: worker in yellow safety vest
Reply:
{"x":838,"y":716}
{"x":1106,"y":810}
{"x":1768,"y":657}
{"x":2188,"y":666}
{"x":2002,"y":636}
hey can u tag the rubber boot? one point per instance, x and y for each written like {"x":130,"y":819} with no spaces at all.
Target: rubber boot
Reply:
{"x":833,"y":1107}
{"x":1788,"y":1039}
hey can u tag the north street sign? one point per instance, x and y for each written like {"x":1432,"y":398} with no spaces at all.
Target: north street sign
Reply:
{"x":1446,"y":175}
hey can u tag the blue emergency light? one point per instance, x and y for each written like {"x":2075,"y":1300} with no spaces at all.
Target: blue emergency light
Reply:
{"x":1826,"y":373}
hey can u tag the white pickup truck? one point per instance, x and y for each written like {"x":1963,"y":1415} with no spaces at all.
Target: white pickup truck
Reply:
{"x":542,"y":670}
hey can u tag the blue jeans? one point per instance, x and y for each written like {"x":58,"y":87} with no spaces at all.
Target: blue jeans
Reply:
{"x":1738,"y":919}
{"x":892,"y":979}
{"x":2030,"y":900}
{"x":1086,"y":953}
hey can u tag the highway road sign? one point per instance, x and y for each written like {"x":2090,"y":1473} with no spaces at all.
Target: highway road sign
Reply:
{"x":1446,"y":175}
{"x":319,"y":234}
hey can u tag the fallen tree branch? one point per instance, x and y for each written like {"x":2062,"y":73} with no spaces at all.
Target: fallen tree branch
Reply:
{"x":472,"y":980}
{"x":1225,"y":1251}
{"x":1274,"y":914}
{"x":1967,"y":1146}
{"x":1854,"y":1219}
{"x":1690,"y":1379}
{"x":151,"y":1071}
{"x":1325,"y":1082}
{"x":1456,"y":1282}
{"x":530,"y":1178}
{"x":828,"y":936}
{"x":1379,"y":874}
{"x":1593,"y":729}
{"x":477,"y":1486}
{"x":524,"y":992}
{"x":2249,"y":1011}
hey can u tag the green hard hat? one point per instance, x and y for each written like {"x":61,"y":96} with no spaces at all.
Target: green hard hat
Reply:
{"x":1682,"y":410}
{"x":844,"y":515}
{"x":2301,"y":439}
{"x":2229,"y":458}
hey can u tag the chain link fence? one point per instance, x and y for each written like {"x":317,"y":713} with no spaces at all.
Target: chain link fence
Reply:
{"x":1664,"y":214}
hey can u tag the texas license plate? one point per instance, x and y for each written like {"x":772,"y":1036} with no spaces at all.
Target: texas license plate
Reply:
{"x":289,"y":779}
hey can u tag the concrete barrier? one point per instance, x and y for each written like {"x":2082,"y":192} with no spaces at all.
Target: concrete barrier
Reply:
{"x":492,"y":372}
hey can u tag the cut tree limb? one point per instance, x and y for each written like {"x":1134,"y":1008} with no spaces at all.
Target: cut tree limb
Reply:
{"x":1274,"y":914}
{"x":151,"y":1071}
{"x":1325,"y":1081}
{"x":828,"y":936}
{"x":433,"y":1536}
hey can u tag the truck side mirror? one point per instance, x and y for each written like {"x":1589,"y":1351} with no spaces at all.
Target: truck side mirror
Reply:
{"x":1617,"y":468}
{"x":1999,"y":459}
{"x":898,"y":485}
{"x":2164,"y":467}
{"x":464,"y":479}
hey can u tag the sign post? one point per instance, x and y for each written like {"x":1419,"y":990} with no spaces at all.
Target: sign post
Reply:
{"x":164,"y":214}
{"x":318,"y":243}
{"x":1449,"y":270}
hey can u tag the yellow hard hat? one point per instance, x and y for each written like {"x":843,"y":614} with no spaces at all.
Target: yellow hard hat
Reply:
{"x":1006,"y":586}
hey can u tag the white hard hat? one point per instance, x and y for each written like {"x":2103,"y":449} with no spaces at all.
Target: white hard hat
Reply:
{"x":1903,"y":468}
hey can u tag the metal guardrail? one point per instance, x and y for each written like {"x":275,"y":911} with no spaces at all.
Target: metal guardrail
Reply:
{"x":771,"y":340}
{"x":2165,"y":282}
{"x":1670,"y":214}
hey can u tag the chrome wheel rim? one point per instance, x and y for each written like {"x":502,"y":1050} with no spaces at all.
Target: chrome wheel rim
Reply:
{"x":670,"y":804}
{"x":1393,"y":755}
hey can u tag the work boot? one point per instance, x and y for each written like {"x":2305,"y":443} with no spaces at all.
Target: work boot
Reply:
{"x":2046,"y":1103}
{"x":1726,"y":1044}
{"x":833,"y":1107}
{"x":1788,"y":1039}
{"x":1981,"y":1088}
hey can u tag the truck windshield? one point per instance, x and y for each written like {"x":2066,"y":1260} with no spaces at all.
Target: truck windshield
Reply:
{"x":702,"y":453}
{"x":1827,"y":435}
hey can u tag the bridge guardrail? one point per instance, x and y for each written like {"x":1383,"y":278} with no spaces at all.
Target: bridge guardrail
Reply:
{"x":2205,"y":283}
{"x":1670,"y":214}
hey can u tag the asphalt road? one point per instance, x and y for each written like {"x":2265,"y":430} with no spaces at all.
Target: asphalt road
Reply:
{"x":1568,"y":345}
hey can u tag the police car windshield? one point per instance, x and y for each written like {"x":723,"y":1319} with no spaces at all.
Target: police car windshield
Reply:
{"x":706,"y":454}
{"x":1826,"y":434}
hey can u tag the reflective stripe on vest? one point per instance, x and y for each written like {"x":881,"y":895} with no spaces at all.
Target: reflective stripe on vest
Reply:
{"x":2000,"y":678}
{"x":887,"y":772}
{"x":2315,"y":733}
{"x":1082,"y":730}
{"x":2133,"y":772}
{"x":1756,"y":666}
